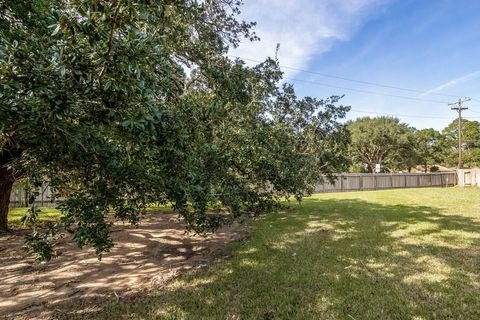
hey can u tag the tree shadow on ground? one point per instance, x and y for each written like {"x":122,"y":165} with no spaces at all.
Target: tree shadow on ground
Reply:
{"x":331,"y":259}
{"x":152,"y":253}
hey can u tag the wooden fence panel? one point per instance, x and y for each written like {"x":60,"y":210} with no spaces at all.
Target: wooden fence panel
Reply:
{"x":19,"y":197}
{"x":412,"y":181}
{"x":369,"y":181}
{"x":398,"y":181}
{"x":383,"y":182}
{"x":352,"y":183}
{"x":344,"y":182}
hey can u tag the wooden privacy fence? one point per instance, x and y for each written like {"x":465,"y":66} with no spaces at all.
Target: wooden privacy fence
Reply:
{"x":19,"y":197}
{"x":370,"y":181}
{"x":344,"y":182}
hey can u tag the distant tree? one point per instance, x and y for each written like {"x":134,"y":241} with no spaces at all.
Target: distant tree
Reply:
{"x":407,"y":156}
{"x":470,"y":146}
{"x":118,"y":104}
{"x":428,"y":147}
{"x":382,"y":140}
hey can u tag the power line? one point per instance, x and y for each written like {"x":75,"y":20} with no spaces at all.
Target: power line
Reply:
{"x":397,"y":115}
{"x":404,"y":115}
{"x":474,"y":111}
{"x":355,"y":80}
{"x":388,"y":95}
{"x":370,"y":92}
{"x":374,"y":92}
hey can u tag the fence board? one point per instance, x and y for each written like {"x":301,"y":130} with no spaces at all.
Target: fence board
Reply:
{"x":344,"y":182}
{"x":19,"y":197}
{"x":369,"y":181}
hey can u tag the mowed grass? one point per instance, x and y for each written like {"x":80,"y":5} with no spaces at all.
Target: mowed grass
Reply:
{"x":49,"y":214}
{"x":45,"y":215}
{"x":396,"y":254}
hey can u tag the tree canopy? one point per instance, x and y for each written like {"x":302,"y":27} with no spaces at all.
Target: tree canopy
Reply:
{"x":382,"y":140}
{"x":470,"y":146}
{"x":397,"y":146}
{"x":429,"y":147}
{"x":120,"y":104}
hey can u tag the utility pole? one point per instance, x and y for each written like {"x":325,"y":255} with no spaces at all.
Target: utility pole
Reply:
{"x":458,"y":106}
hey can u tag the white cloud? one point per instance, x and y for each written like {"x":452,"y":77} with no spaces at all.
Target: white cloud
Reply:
{"x":452,"y":83}
{"x":303,"y":28}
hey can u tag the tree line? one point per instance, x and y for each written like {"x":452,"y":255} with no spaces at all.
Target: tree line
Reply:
{"x":397,"y":146}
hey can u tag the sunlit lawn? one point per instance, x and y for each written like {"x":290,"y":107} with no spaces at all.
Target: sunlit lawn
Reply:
{"x":45,"y":215}
{"x":53,"y":214}
{"x":396,"y":254}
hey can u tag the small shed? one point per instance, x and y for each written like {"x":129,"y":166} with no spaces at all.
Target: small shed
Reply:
{"x":469,"y":177}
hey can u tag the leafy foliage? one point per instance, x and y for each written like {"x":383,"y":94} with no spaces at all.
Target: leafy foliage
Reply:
{"x":382,"y":140}
{"x":471,"y":143}
{"x":119,"y":104}
{"x":429,"y":147}
{"x":399,"y":147}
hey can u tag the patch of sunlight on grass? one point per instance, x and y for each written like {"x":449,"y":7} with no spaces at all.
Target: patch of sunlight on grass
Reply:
{"x":475,"y":279}
{"x":322,"y":304}
{"x":419,"y":228}
{"x":402,"y":253}
{"x":383,"y":268}
{"x":436,"y":270}
{"x":45,"y":215}
{"x":249,"y":250}
{"x":249,"y":263}
{"x":432,"y":232}
{"x":314,"y":227}
{"x":170,"y":312}
{"x":190,"y":282}
{"x":159,"y":208}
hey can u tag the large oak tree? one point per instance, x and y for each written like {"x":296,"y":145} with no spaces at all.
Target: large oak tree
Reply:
{"x":381,"y":140}
{"x":118,"y":104}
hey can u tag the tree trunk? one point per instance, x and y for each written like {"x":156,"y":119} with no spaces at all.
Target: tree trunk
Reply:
{"x":6,"y":184}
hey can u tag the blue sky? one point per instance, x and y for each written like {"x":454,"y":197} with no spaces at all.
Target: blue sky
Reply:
{"x":432,"y":46}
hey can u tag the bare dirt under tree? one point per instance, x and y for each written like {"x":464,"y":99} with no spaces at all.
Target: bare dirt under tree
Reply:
{"x":143,"y":258}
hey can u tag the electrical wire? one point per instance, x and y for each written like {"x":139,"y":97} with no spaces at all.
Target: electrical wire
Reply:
{"x":370,"y":92}
{"x":397,"y":115}
{"x":355,"y":80}
{"x":474,"y":111}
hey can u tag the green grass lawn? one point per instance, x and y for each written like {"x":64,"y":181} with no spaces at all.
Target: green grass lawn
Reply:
{"x":396,"y":254}
{"x":52,"y":214}
{"x":45,"y":215}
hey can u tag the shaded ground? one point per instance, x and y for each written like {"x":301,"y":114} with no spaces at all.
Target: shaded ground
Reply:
{"x":397,"y":254}
{"x":155,"y":251}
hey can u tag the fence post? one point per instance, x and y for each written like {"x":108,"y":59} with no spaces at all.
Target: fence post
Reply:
{"x":405,"y":181}
{"x":374,"y":181}
{"x":360,"y":184}
{"x":418,"y":181}
{"x":42,"y":191}
{"x":391,"y":180}
{"x":341,"y":182}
